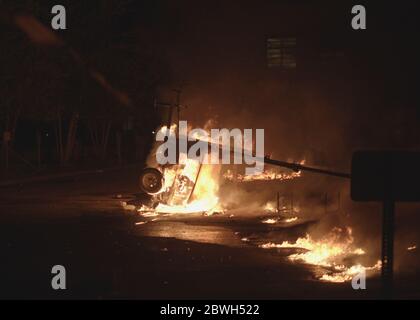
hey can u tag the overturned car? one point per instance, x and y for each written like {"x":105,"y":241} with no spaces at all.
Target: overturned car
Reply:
{"x":187,"y":186}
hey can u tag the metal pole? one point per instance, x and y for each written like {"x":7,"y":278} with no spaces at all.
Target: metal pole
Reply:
{"x":293,"y":166}
{"x":299,"y":167}
{"x":388,"y":221}
{"x":195,"y":182}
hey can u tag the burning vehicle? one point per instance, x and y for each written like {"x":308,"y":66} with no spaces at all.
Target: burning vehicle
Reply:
{"x":191,"y":185}
{"x":185,"y":187}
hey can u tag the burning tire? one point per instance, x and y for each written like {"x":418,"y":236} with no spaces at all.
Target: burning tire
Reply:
{"x":151,"y":180}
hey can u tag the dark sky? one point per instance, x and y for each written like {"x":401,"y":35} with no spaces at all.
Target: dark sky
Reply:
{"x":345,"y":80}
{"x":351,"y":89}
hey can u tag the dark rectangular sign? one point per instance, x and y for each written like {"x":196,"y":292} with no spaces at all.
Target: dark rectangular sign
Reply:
{"x":385,"y":175}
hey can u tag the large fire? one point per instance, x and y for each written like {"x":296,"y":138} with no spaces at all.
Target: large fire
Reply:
{"x":193,"y":187}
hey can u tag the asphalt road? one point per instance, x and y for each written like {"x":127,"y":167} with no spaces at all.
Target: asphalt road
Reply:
{"x":79,"y":223}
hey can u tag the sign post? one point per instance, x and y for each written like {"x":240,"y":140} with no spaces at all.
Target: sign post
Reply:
{"x":388,"y":247}
{"x":388,"y":177}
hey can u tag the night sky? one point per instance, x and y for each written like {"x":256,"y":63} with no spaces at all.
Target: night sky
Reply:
{"x":350,"y":89}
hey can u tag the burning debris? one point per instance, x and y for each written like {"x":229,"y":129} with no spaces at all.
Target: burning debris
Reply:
{"x":267,"y":175}
{"x":281,"y":207}
{"x":269,"y":207}
{"x":277,"y":220}
{"x":412,"y":248}
{"x":270,"y":221}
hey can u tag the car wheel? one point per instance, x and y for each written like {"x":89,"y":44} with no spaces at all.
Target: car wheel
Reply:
{"x":151,"y":180}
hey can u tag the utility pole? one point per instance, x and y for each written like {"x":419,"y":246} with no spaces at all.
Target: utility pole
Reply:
{"x":171,"y":107}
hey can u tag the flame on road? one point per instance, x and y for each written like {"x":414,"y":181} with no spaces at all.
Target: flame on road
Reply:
{"x":328,"y":252}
